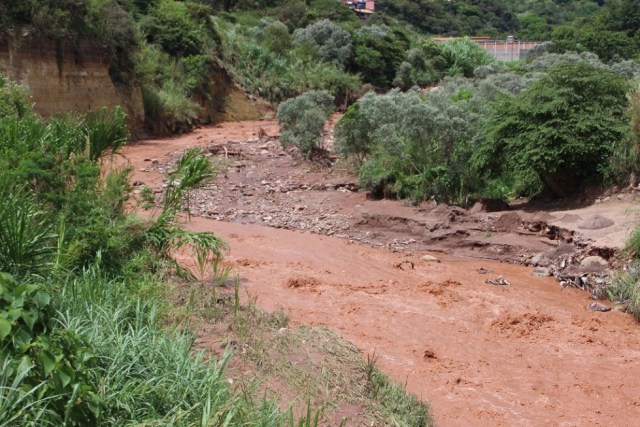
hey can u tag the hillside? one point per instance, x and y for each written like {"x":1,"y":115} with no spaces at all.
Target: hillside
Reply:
{"x":173,"y":63}
{"x":387,"y":220}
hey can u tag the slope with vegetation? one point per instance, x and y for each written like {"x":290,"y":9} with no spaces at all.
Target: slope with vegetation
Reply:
{"x":81,"y":295}
{"x":88,"y":335}
{"x":555,"y":123}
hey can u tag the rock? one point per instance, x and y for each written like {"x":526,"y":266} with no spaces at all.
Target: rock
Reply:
{"x":596,"y":306}
{"x":138,"y":183}
{"x":541,"y":272}
{"x":429,"y":258}
{"x":594,"y":260}
{"x":299,"y":208}
{"x":155,"y":161}
{"x":535,"y":261}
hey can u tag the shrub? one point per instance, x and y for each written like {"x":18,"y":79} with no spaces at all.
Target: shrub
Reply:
{"x":327,"y":41}
{"x":378,"y":55}
{"x":169,"y":109}
{"x":302,"y":121}
{"x":44,"y":355}
{"x":171,"y":26}
{"x":14,"y":99}
{"x":415,"y":146}
{"x":463,"y":56}
{"x":561,"y":127}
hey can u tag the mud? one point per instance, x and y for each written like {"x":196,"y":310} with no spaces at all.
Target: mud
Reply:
{"x":302,"y":240}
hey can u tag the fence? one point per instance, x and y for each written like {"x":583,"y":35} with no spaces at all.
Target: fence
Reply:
{"x":507,"y":50}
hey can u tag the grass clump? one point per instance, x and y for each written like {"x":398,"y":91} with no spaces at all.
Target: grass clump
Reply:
{"x":625,"y":289}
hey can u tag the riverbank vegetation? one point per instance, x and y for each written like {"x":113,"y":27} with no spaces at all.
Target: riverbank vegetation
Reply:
{"x":279,"y":49}
{"x":94,"y":328}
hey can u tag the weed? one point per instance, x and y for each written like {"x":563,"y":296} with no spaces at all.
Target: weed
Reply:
{"x":626,"y":289}
{"x":147,"y":200}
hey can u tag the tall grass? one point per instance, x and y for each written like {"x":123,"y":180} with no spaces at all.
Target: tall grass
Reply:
{"x":626,"y":289}
{"x":148,"y":375}
{"x":26,"y":234}
{"x":22,"y":405}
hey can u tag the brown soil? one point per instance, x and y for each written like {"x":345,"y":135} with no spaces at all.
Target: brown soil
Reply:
{"x":303,"y":241}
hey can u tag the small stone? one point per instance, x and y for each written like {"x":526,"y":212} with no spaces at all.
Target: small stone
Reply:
{"x":596,"y":306}
{"x":535,"y":261}
{"x":592,"y":261}
{"x":429,"y":258}
{"x":155,"y":161}
{"x":137,"y":183}
{"x":147,"y":160}
{"x":428,"y":354}
{"x":541,"y":272}
{"x":298,"y":208}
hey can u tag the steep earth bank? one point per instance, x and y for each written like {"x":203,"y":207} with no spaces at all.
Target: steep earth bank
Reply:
{"x":485,"y":342}
{"x":64,"y":78}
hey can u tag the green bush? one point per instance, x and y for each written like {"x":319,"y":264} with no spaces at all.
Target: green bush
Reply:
{"x":302,"y":121}
{"x":416,"y":146}
{"x":378,"y":53}
{"x":279,"y":75}
{"x":464,"y":56}
{"x":54,"y":362}
{"x":171,"y":25}
{"x":326,"y":41}
{"x":14,"y":99}
{"x":562,"y":127}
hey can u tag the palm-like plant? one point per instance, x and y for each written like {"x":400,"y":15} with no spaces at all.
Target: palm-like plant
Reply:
{"x":26,"y":236}
{"x":193,"y":171}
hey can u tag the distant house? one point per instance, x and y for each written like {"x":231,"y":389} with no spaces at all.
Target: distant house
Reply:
{"x":362,"y":8}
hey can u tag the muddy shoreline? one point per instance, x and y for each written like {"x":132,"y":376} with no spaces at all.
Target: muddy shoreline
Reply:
{"x":418,"y":285}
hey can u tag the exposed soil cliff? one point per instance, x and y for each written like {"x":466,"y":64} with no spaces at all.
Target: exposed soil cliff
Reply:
{"x":64,"y":78}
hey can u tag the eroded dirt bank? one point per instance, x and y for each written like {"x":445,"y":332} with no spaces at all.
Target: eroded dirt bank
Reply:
{"x":302,"y":240}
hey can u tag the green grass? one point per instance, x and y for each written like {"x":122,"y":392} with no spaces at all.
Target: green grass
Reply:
{"x":625,"y":289}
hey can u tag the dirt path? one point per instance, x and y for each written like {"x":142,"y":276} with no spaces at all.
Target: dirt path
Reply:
{"x":527,"y":354}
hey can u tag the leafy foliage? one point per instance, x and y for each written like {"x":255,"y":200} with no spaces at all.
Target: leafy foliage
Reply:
{"x":34,"y":349}
{"x":464,"y":56}
{"x":14,"y":99}
{"x":378,"y":53}
{"x":26,"y":235}
{"x":327,"y":41}
{"x":302,"y":121}
{"x":82,"y":340}
{"x":561,"y":128}
{"x":416,"y":146}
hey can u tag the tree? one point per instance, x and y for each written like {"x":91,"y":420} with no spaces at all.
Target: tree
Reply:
{"x":562,"y":127}
{"x":327,"y":41}
{"x":378,"y":55}
{"x":302,"y":121}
